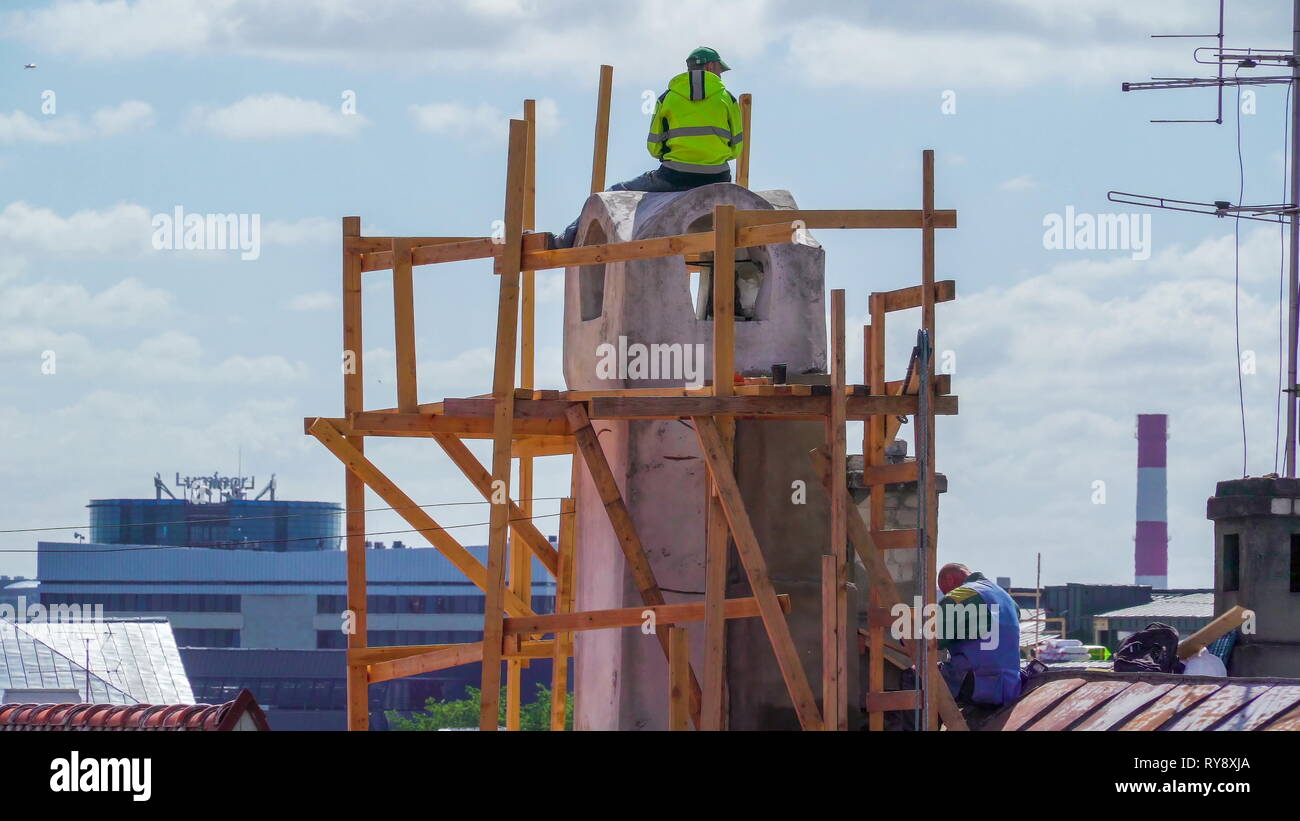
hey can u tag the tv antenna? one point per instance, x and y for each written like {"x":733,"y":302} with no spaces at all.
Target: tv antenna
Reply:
{"x":1241,"y":59}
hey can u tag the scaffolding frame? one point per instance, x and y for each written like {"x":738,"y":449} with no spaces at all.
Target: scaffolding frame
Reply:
{"x":524,"y":423}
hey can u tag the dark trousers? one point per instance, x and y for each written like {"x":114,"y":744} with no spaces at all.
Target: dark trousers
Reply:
{"x":660,"y":179}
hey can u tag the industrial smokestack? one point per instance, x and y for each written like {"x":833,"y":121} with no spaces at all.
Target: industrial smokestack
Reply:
{"x":1151,"y":546}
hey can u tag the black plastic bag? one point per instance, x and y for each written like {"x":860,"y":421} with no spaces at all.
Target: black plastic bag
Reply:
{"x":1152,"y":650}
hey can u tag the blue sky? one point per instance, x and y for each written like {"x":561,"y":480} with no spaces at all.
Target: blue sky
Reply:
{"x":174,"y":361}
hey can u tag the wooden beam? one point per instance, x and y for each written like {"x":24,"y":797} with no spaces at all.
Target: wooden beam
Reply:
{"x":354,"y":492}
{"x":679,"y":679}
{"x":751,"y":556}
{"x":836,"y":437}
{"x":404,"y":326}
{"x":778,"y":407}
{"x":664,"y":614}
{"x":891,"y":700}
{"x":746,"y":130}
{"x":374,"y":245}
{"x":564,"y":589}
{"x":373,"y":423}
{"x":724,"y":295}
{"x":830,"y":655}
{"x":442,"y":659}
{"x":889,"y":474}
{"x":503,"y":392}
{"x":906,"y":298}
{"x":928,"y":582}
{"x":538,"y":446}
{"x":1225,"y":623}
{"x":405,"y":507}
{"x":845,"y":218}
{"x":526,"y":533}
{"x":600,"y":144}
{"x":513,"y":647}
{"x":620,"y":519}
{"x":717,"y":541}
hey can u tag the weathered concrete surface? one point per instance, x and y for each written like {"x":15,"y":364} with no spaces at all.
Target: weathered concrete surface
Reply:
{"x":1264,"y":516}
{"x":620,"y":675}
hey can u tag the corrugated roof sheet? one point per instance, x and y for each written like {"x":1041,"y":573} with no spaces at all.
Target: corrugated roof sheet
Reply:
{"x":1193,"y":605}
{"x":1100,"y":700}
{"x":131,"y":660}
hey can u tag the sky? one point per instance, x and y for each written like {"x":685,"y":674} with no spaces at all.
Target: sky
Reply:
{"x":120,"y":359}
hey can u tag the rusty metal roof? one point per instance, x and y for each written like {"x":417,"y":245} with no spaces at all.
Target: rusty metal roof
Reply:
{"x":242,"y":713}
{"x":1101,"y":700}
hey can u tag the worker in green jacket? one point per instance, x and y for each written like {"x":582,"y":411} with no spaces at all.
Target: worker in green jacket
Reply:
{"x":695,"y":130}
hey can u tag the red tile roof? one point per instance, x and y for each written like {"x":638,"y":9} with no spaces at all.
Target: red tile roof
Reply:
{"x":1105,"y":700}
{"x":133,"y":716}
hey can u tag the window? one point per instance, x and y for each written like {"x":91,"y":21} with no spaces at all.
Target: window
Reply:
{"x":591,"y":278}
{"x":1295,"y":562}
{"x":1231,"y":569}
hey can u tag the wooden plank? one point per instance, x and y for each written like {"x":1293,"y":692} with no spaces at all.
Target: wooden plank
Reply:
{"x":724,"y":295}
{"x":889,"y":474}
{"x":717,"y":541}
{"x":836,"y":438}
{"x":374,"y":245}
{"x":1041,"y":698}
{"x":503,"y":384}
{"x":1225,"y":623}
{"x":354,"y":492}
{"x":1080,"y":702}
{"x":1169,"y":705}
{"x":906,"y":298}
{"x":513,"y":647}
{"x":405,"y":506}
{"x":746,"y":130}
{"x":845,"y":218}
{"x":564,"y":590}
{"x":404,"y":326}
{"x":901,"y":539}
{"x":1262,"y":709}
{"x":930,"y":581}
{"x":755,"y":565}
{"x":679,"y":679}
{"x":776,"y":407}
{"x":372,"y":423}
{"x":830,"y":653}
{"x":442,"y":659}
{"x":539,"y":446}
{"x":942,"y":385}
{"x":520,"y":522}
{"x":600,"y":144}
{"x":522,"y":408}
{"x":680,"y":613}
{"x":873,"y":455}
{"x":1219,"y":706}
{"x":1138,"y":695}
{"x":882,"y":702}
{"x":620,"y":520}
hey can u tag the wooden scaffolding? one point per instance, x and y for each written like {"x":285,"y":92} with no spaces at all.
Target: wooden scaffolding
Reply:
{"x":525,"y":423}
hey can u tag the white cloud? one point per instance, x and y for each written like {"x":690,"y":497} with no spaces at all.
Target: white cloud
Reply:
{"x":482,"y":120}
{"x":129,"y":116}
{"x":1022,"y":183}
{"x":69,"y":305}
{"x":268,"y":116}
{"x":305,"y":231}
{"x":314,"y":301}
{"x":119,"y":229}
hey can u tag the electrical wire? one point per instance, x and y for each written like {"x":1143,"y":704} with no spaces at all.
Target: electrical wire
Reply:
{"x":242,"y":545}
{"x":257,"y":518}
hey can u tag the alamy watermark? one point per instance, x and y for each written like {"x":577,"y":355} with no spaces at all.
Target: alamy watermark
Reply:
{"x":179,"y":231}
{"x":52,"y":613}
{"x":675,"y":361}
{"x":1073,"y":231}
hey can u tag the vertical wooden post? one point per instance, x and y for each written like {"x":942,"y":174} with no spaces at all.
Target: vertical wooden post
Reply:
{"x":404,"y":326}
{"x":354,"y":490}
{"x":830,"y":641}
{"x":874,"y":455}
{"x":503,"y":392}
{"x":932,"y":492}
{"x":742,"y":165}
{"x":679,"y":679}
{"x":837,"y":686}
{"x":600,"y":150}
{"x":717,"y":535}
{"x":521,"y":581}
{"x":563,"y":604}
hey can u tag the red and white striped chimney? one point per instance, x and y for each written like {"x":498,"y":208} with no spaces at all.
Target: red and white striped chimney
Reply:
{"x":1151,"y":546}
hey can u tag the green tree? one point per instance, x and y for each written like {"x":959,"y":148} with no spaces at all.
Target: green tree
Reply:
{"x":439,"y":714}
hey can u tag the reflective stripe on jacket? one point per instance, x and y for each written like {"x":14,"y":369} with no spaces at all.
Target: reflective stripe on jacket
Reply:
{"x":696,"y":126}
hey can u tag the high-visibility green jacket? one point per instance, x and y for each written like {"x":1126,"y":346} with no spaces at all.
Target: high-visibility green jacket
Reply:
{"x":696,"y":126}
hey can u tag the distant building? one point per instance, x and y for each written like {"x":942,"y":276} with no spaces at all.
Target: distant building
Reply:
{"x":216,"y":511}
{"x":1079,"y":603}
{"x":284,"y":613}
{"x":1186,"y":614}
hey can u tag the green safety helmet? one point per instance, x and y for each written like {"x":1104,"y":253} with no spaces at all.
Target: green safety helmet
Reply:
{"x":704,"y":55}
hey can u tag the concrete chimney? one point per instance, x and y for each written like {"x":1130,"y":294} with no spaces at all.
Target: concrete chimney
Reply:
{"x":1151,"y":545}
